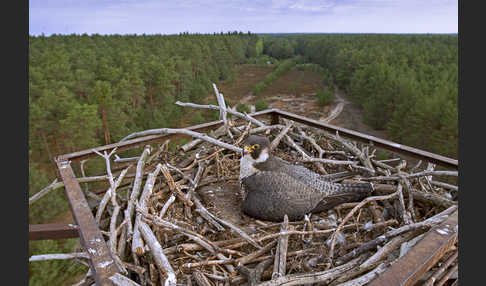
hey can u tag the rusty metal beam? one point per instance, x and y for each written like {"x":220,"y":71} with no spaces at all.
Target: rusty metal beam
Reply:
{"x":425,"y":254}
{"x":375,"y":141}
{"x":101,"y":261}
{"x":53,"y":231}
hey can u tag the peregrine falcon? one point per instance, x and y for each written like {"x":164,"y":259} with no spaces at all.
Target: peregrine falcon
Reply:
{"x":272,"y":187}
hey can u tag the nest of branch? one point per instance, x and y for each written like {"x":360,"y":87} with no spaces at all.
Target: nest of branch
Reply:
{"x":174,"y":218}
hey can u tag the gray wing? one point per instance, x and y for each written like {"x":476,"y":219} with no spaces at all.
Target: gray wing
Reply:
{"x":299,"y":172}
{"x":271,"y":195}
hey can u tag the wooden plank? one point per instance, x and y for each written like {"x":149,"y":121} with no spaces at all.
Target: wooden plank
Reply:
{"x":389,"y":145}
{"x":101,"y":261}
{"x":52,"y":231}
{"x":425,"y":254}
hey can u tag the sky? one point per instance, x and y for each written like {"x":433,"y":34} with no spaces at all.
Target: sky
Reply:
{"x":257,"y":16}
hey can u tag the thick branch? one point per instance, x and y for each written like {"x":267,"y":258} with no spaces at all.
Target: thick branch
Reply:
{"x":158,"y":254}
{"x":135,"y":191}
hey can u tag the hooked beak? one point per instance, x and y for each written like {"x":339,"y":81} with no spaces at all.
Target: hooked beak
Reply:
{"x":246,"y":150}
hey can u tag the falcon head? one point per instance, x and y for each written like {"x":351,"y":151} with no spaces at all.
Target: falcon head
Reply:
{"x":257,"y":147}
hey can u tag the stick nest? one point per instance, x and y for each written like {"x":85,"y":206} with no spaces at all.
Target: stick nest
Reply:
{"x":191,"y":206}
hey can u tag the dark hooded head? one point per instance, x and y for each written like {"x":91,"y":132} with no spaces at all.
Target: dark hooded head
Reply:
{"x":254,"y":145}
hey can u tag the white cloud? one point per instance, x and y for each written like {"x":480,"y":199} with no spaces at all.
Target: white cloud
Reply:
{"x":314,"y":6}
{"x":205,"y":16}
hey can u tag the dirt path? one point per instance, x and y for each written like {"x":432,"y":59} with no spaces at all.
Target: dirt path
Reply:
{"x":336,"y":111}
{"x":351,"y":116}
{"x":341,"y":112}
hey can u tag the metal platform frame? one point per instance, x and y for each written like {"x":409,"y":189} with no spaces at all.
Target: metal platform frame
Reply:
{"x":405,"y":272}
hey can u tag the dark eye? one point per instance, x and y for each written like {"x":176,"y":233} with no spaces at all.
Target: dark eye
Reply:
{"x":256,"y":146}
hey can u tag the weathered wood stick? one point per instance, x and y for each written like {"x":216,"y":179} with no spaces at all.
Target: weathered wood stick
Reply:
{"x":208,"y":262}
{"x":137,"y":183}
{"x":254,"y":276}
{"x":248,"y":260}
{"x":52,"y":186}
{"x":328,"y":161}
{"x":441,"y":269}
{"x":232,"y":112}
{"x":266,"y":128}
{"x":444,"y":185}
{"x":432,"y":221}
{"x":166,"y":206}
{"x":389,"y":160}
{"x":123,"y":160}
{"x":379,"y":225}
{"x":312,"y":141}
{"x":205,"y":214}
{"x":401,"y":202}
{"x":408,"y":188}
{"x":161,"y":149}
{"x":279,"y":137}
{"x":235,"y":229}
{"x":83,"y":281}
{"x":383,"y":189}
{"x":196,"y":247}
{"x":55,"y":256}
{"x":214,"y":134}
{"x":365,"y":279}
{"x":280,"y":263}
{"x":315,"y":277}
{"x":415,"y":175}
{"x":294,"y":145}
{"x":377,"y":215}
{"x":185,"y":132}
{"x":365,"y":160}
{"x":446,"y":276}
{"x":350,"y":214}
{"x":252,"y":256}
{"x":381,"y":164}
{"x":191,"y":144}
{"x":201,"y":240}
{"x":188,"y":280}
{"x":116,"y":208}
{"x":293,"y":232}
{"x":275,"y":262}
{"x":158,"y":254}
{"x":122,"y":241}
{"x":56,"y":185}
{"x":239,"y":242}
{"x":121,"y":280}
{"x":175,"y":188}
{"x":222,"y":110}
{"x":195,"y":183}
{"x":201,"y":279}
{"x":137,"y":269}
{"x":81,"y":166}
{"x":390,"y":246}
{"x":137,"y":244}
{"x":109,"y":194}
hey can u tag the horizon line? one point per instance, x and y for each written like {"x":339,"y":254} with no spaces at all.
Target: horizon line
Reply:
{"x":260,"y":33}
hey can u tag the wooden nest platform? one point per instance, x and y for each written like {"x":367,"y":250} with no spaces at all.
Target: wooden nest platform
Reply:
{"x":173,"y":218}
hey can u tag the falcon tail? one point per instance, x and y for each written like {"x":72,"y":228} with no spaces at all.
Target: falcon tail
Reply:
{"x":347,"y":193}
{"x":360,"y":188}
